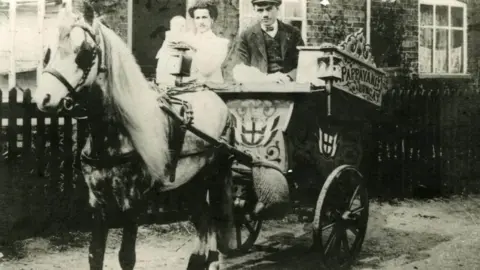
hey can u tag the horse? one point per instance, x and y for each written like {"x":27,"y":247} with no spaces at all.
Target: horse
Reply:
{"x":133,"y":150}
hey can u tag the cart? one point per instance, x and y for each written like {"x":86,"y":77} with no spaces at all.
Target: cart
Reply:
{"x":315,"y":131}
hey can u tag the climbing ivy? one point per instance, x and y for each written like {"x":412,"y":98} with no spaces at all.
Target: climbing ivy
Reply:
{"x":388,"y":31}
{"x":335,"y":27}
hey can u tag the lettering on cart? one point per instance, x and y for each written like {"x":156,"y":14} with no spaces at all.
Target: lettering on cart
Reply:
{"x":362,"y":81}
{"x":361,"y":75}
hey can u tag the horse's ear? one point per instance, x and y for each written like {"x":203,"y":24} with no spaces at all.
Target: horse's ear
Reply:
{"x":88,"y":12}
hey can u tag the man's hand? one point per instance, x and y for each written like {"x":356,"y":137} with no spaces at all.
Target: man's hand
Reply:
{"x":279,"y":77}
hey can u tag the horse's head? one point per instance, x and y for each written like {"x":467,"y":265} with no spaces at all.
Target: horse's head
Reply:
{"x":73,"y":63}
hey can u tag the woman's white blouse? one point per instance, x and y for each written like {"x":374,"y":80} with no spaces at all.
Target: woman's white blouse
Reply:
{"x":207,"y":61}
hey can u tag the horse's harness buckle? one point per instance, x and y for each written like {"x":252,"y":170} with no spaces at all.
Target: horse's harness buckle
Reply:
{"x":186,"y":112}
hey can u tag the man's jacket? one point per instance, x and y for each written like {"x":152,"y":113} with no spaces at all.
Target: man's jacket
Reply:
{"x":251,"y":50}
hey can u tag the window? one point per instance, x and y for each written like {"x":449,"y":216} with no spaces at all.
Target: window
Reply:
{"x":442,"y":37}
{"x":290,"y":11}
{"x":33,"y":29}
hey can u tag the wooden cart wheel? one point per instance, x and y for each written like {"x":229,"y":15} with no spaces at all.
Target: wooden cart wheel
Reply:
{"x":247,"y":228}
{"x":246,"y":233}
{"x":341,"y":218}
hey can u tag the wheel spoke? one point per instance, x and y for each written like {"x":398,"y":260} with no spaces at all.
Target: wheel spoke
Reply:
{"x":239,"y":235}
{"x":249,"y":227}
{"x":353,"y":228}
{"x":328,"y":226}
{"x":357,"y":210}
{"x":330,"y":241}
{"x":352,"y":199}
{"x":345,"y":245}
{"x":337,"y":243}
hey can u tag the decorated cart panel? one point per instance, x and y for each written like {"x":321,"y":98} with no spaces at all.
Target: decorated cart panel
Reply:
{"x":317,"y":123}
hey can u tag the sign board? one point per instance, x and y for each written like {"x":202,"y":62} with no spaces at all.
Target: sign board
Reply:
{"x":348,"y":67}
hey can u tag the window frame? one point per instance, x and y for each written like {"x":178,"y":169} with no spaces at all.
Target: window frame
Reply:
{"x":434,"y":27}
{"x":281,"y":17}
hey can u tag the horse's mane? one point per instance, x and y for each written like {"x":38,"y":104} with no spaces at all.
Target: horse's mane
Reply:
{"x":131,"y":97}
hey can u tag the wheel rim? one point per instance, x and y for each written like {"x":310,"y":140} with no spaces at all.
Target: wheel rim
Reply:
{"x":246,"y":232}
{"x":341,"y":217}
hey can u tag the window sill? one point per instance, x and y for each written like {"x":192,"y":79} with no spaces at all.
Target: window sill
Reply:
{"x":465,"y":76}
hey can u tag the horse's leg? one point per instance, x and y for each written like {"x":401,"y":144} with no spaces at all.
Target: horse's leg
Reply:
{"x":221,"y":207}
{"x":201,"y":221}
{"x":98,"y":240}
{"x":126,"y":255}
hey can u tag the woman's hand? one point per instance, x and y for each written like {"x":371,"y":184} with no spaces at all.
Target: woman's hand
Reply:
{"x":183,"y":39}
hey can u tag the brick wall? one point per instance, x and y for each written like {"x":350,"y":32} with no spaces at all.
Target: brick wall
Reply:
{"x":115,"y":13}
{"x":473,"y":18}
{"x":333,"y":22}
{"x":324,"y":24}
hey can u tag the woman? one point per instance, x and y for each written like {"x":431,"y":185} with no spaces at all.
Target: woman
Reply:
{"x":208,"y":50}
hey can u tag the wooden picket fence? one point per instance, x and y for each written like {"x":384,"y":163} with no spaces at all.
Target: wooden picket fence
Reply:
{"x":41,"y":157}
{"x":423,"y":143}
{"x":426,"y":144}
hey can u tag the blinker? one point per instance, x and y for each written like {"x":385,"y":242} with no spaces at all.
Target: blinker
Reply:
{"x":85,"y":56}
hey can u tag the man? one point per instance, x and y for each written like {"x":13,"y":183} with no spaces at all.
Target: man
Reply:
{"x":267,"y":51}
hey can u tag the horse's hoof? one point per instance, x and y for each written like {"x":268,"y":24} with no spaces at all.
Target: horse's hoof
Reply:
{"x":213,"y":256}
{"x":196,"y":262}
{"x":214,"y":260}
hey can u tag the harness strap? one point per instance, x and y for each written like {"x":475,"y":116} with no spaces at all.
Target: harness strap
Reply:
{"x":111,"y":161}
{"x":62,"y":79}
{"x":177,"y":138}
{"x":241,"y":156}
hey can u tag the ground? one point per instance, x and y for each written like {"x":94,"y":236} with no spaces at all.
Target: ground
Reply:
{"x":435,"y":234}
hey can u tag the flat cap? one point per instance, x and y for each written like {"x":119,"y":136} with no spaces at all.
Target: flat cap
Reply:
{"x":274,"y":2}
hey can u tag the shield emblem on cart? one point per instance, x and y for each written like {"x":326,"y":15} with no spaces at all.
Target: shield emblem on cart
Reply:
{"x":327,"y":144}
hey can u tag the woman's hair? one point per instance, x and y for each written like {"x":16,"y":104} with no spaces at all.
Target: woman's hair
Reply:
{"x":209,"y":5}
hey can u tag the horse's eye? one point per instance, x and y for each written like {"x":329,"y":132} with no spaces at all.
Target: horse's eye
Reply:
{"x":46,"y":58}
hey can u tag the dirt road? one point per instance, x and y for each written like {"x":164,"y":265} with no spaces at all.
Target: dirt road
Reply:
{"x":440,"y":234}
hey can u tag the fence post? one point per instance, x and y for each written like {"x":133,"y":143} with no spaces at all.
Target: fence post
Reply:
{"x":435,"y":118}
{"x":54,"y":192}
{"x":68,"y":166}
{"x":27,"y":128}
{"x":12,"y":133}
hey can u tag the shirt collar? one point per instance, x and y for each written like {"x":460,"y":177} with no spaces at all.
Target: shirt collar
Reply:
{"x":274,"y":25}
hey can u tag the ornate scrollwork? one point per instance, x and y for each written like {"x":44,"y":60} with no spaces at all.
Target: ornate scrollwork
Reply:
{"x":259,"y":125}
{"x":356,"y":44}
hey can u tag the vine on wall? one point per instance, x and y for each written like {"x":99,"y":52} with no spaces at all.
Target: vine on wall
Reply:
{"x":335,"y":29}
{"x":388,"y":30}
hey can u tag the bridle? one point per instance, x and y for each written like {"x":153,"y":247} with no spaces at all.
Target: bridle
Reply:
{"x":85,"y":61}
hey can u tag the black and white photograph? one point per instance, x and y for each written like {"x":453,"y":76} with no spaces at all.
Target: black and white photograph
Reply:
{"x":240,"y":134}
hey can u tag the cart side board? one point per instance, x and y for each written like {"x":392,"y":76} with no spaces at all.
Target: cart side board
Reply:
{"x":320,"y":121}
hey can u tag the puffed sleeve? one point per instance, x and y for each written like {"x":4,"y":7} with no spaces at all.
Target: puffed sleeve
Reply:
{"x":210,"y":54}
